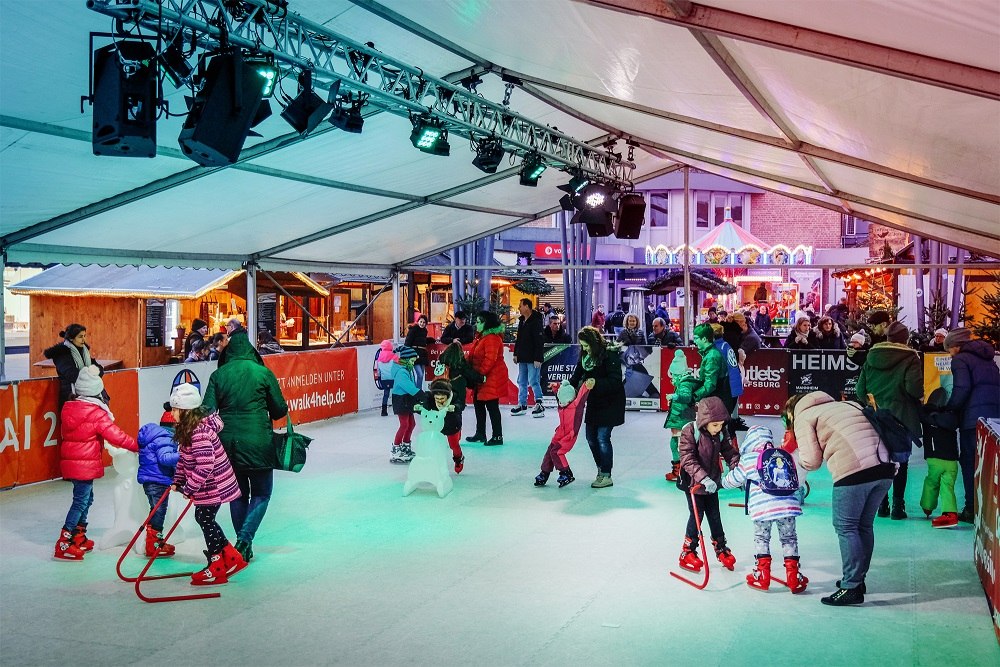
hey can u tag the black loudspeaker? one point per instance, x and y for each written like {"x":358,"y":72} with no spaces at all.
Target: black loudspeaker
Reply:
{"x":125,"y":100}
{"x":631,"y":215}
{"x":223,"y":112}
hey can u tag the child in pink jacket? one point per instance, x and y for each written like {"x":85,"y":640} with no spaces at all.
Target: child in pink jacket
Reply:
{"x":85,"y":421}
{"x":571,"y":407}
{"x":205,"y":475}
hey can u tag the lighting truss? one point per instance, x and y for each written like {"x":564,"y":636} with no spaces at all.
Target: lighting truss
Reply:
{"x":397,"y":87}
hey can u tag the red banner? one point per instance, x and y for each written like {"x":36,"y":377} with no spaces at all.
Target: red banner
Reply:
{"x":317,"y":385}
{"x":666,"y":380}
{"x":765,"y":383}
{"x":987,"y":495}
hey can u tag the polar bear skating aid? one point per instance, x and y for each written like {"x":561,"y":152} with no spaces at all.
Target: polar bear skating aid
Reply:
{"x":431,"y":456}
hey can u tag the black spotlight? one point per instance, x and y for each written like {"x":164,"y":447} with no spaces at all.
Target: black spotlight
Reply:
{"x":531,"y":169}
{"x":349,"y":118}
{"x":308,"y":109}
{"x":221,"y":115}
{"x":489,"y":154}
{"x":631,"y":215}
{"x":578,"y":182}
{"x":429,"y":135}
{"x":566,"y":202}
{"x":125,"y":100}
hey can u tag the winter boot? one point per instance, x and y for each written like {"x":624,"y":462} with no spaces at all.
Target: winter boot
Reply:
{"x":796,"y":580}
{"x":541,"y":478}
{"x":760,"y":578}
{"x":602,"y":481}
{"x":245,"y":549}
{"x":675,"y":470}
{"x":883,"y":509}
{"x":494,"y":441}
{"x":385,"y":411}
{"x":898,"y":511}
{"x":406,"y":452}
{"x":233,"y":559}
{"x":459,"y":463}
{"x":565,"y":477}
{"x":476,"y":437}
{"x":80,"y":538}
{"x":156,"y":545}
{"x":65,"y":549}
{"x":946,"y":520}
{"x":689,"y":557}
{"x":212,"y":575}
{"x":725,"y":556}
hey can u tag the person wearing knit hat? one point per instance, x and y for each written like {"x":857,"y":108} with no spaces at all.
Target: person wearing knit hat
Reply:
{"x":858,"y":340}
{"x":404,"y":393}
{"x":185,"y":397}
{"x":570,"y":408}
{"x":878,"y":322}
{"x":70,"y":355}
{"x":89,"y":382}
{"x":681,"y":410}
{"x":975,"y":393}
{"x":199,"y":329}
{"x":935,"y":344}
{"x":893,"y":374}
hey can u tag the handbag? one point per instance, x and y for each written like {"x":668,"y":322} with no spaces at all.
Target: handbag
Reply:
{"x":290,"y":448}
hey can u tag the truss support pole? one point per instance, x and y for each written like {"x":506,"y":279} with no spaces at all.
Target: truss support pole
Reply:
{"x":395,"y":306}
{"x":687,"y":329}
{"x":251,"y":318}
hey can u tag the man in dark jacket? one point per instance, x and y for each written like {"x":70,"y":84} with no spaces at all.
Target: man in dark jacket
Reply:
{"x":975,"y":393}
{"x":616,"y":320}
{"x":878,"y":324}
{"x":554,"y":332}
{"x":662,"y":335}
{"x":459,"y":330}
{"x":529,"y":352}
{"x":248,"y":398}
{"x":760,"y":320}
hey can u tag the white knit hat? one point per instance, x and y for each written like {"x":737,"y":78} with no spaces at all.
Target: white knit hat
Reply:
{"x":88,"y":382}
{"x":859,"y":338}
{"x":566,"y":393}
{"x":941,"y":332}
{"x":185,"y":397}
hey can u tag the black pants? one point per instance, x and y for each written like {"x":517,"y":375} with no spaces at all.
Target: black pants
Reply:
{"x":493,"y":407}
{"x":899,"y":483}
{"x":708,"y":506}
{"x":215,"y":539}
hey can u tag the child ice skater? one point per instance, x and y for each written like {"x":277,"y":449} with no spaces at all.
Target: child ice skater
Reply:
{"x":85,"y":419}
{"x":205,"y":475}
{"x":157,"y":461}
{"x":383,"y":361}
{"x":681,"y":407}
{"x":440,"y":397}
{"x":767,"y":510}
{"x":571,"y":405}
{"x":702,"y":442}
{"x":941,"y":452}
{"x":459,"y":372}
{"x":404,"y":397}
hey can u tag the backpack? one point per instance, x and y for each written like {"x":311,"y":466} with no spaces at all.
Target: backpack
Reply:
{"x":777,"y":473}
{"x":892,"y":432}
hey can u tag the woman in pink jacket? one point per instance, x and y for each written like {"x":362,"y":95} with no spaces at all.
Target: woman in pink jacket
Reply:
{"x":86,"y":419}
{"x":839,"y":434}
{"x":204,"y":475}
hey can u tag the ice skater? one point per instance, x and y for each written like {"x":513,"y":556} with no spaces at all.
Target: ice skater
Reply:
{"x":441,"y":397}
{"x":681,"y":409}
{"x":453,"y":365}
{"x":157,"y":461}
{"x":571,"y":405}
{"x":404,"y":397}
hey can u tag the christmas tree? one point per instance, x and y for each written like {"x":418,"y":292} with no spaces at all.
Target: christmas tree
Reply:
{"x":988,"y":327}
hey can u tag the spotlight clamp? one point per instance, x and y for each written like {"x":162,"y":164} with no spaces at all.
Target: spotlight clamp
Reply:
{"x":395,"y":86}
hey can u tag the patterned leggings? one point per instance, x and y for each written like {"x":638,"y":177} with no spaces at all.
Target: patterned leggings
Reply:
{"x":215,"y":539}
{"x":786,"y":533}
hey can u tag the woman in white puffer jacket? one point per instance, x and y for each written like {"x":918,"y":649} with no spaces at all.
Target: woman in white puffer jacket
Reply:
{"x":839,"y":434}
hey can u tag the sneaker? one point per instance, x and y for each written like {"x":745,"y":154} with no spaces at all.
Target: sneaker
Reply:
{"x":883,"y":509}
{"x":476,"y":437}
{"x":946,"y":520}
{"x":541,"y":478}
{"x":396,"y":455}
{"x":966,"y":516}
{"x":494,"y":441}
{"x":603,"y":480}
{"x":459,"y":463}
{"x":565,"y":478}
{"x":844,"y":597}
{"x":405,"y":453}
{"x":898,"y":512}
{"x":863,"y":588}
{"x":539,"y":410}
{"x":519,"y":410}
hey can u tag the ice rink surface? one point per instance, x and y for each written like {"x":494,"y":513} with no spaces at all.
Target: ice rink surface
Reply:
{"x":348,"y":571}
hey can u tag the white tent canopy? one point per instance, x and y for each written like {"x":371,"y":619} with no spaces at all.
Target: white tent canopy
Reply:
{"x":886,"y":110}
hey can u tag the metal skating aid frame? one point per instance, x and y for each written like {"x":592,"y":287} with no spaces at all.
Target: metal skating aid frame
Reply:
{"x":701,"y":543}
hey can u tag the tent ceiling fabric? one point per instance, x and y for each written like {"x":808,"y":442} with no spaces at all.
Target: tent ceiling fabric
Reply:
{"x":703,"y":89}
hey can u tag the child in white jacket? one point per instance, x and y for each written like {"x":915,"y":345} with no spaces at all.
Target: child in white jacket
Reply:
{"x":766,"y":510}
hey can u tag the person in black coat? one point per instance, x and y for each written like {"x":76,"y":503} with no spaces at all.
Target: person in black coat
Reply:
{"x":760,"y":320}
{"x":662,"y":335}
{"x":529,"y":353}
{"x":199,"y":329}
{"x":69,"y":356}
{"x":417,"y":338}
{"x":459,"y":330}
{"x":827,"y":335}
{"x":554,"y":332}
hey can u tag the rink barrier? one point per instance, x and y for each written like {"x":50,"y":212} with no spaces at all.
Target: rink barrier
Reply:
{"x":987,"y":514}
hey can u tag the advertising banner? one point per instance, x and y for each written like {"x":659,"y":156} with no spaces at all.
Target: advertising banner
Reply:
{"x":560,"y":362}
{"x":937,"y":372}
{"x":822,"y":370}
{"x":765,"y":383}
{"x":987,"y":494}
{"x":317,"y":385}
{"x":693,"y":361}
{"x":641,"y":374}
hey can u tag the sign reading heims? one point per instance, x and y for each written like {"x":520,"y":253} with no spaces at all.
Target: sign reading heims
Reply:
{"x":822,"y":370}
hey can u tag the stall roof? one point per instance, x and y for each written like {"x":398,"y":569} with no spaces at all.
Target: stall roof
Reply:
{"x":702,"y":280}
{"x":886,"y":110}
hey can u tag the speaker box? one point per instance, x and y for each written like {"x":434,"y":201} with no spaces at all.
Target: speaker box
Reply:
{"x":124,"y":118}
{"x":222,"y":114}
{"x":631,"y":215}
{"x":598,"y":222}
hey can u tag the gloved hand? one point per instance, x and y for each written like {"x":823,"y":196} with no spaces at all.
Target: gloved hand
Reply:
{"x":709,"y":485}
{"x":671,"y":397}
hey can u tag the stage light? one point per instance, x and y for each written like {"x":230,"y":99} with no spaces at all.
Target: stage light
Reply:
{"x":174,"y":65}
{"x":429,"y":135}
{"x":348,"y":120}
{"x":566,"y":202}
{"x":308,"y":109}
{"x":597,"y":197}
{"x":531,"y":169}
{"x":489,"y":154}
{"x":578,"y":182}
{"x":263,"y":64}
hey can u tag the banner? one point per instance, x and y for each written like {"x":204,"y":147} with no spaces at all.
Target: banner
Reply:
{"x":822,"y":370}
{"x":317,"y":385}
{"x":937,"y":372}
{"x":559,"y":364}
{"x":641,"y":374}
{"x":987,"y":495}
{"x":693,"y":361}
{"x":765,"y":383}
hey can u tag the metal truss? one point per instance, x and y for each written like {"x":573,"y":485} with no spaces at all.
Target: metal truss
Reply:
{"x":267,"y":27}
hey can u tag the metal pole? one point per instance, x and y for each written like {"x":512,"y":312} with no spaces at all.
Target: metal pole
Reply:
{"x":919,"y":275}
{"x":251,"y":318}
{"x":688,"y":314}
{"x":3,"y":326}
{"x":395,"y":306}
{"x":565,"y":251}
{"x":956,"y":291}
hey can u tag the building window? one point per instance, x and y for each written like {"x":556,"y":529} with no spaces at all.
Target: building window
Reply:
{"x":701,"y":204}
{"x":658,"y":212}
{"x":727,"y":204}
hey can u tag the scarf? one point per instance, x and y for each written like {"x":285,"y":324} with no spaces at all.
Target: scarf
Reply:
{"x":80,"y":361}
{"x":801,"y":337}
{"x":588,"y":362}
{"x":97,"y":400}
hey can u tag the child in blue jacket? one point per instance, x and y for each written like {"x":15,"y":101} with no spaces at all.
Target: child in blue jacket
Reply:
{"x":405,"y":391}
{"x":157,"y":460}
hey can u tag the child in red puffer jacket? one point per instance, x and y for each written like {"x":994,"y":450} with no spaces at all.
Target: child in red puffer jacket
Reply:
{"x":86,"y":419}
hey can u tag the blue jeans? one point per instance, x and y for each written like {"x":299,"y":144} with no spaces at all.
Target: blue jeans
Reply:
{"x":599,"y":439}
{"x":854,"y":510}
{"x":154,"y":491}
{"x":528,"y":375}
{"x":248,"y":510}
{"x":83,"y":498}
{"x":967,"y":462}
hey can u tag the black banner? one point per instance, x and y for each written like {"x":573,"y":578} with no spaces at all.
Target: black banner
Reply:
{"x":156,"y":310}
{"x":267,"y":319}
{"x":822,"y":370}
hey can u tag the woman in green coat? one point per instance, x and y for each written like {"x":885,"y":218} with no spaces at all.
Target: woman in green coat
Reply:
{"x":248,"y":398}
